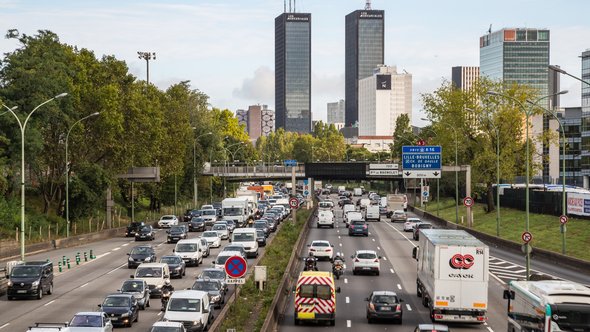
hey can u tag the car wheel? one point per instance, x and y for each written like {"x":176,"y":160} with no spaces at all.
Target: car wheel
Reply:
{"x":377,"y":273}
{"x":354,"y":272}
{"x":184,"y":272}
{"x":369,"y":320}
{"x":40,"y":293}
{"x":137,"y":318}
{"x":50,"y":289}
{"x":147,"y":302}
{"x":332,"y":322}
{"x":9,"y":298}
{"x":418,"y":291}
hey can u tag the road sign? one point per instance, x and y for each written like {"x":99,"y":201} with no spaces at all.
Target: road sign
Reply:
{"x":290,"y":162}
{"x":377,"y":172}
{"x":236,"y":267}
{"x":468,"y":201}
{"x":305,"y":193}
{"x":563,"y":219}
{"x":421,"y":174}
{"x":293,"y":202}
{"x":235,"y":281}
{"x":421,"y":142}
{"x":383,"y":166}
{"x":526,"y":237}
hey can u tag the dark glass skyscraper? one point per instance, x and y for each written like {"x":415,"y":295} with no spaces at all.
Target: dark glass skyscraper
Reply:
{"x":293,"y":72}
{"x":365,"y":30}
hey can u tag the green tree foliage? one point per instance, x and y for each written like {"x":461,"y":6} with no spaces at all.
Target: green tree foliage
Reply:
{"x":402,"y":135}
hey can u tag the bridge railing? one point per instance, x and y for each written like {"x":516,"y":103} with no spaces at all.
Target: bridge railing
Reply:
{"x":255,"y":170}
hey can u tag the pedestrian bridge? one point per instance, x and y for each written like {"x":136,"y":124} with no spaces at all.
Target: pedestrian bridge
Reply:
{"x":256,"y":171}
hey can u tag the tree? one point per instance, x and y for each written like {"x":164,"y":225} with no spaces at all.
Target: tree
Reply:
{"x":402,"y":135}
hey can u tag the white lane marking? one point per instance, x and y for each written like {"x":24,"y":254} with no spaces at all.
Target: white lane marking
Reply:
{"x":384,"y":258}
{"x":490,"y":329}
{"x":3,"y":326}
{"x":378,"y":248}
{"x":337,"y":231}
{"x":86,"y":284}
{"x":102,"y":255}
{"x":161,"y":244}
{"x":402,"y":234}
{"x":392,"y":271}
{"x":125,"y":245}
{"x":408,"y":307}
{"x":373,"y":240}
{"x":159,"y":313}
{"x":347,"y":299}
{"x":370,"y":233}
{"x":345,"y":280}
{"x":498,"y":279}
{"x":115,"y":269}
{"x":115,"y":249}
{"x":399,"y":286}
{"x":341,"y":244}
{"x":339,"y":236}
{"x":48,"y":303}
{"x":348,"y":323}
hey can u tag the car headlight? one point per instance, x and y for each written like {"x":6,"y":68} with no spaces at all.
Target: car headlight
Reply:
{"x":9,"y":283}
{"x":177,"y":268}
{"x":197,"y":323}
{"x":125,"y":314}
{"x":216,"y":298}
{"x":35,"y":283}
{"x":130,"y":259}
{"x":147,"y":259}
{"x":159,"y":286}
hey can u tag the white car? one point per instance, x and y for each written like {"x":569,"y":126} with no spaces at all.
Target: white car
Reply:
{"x":409,"y":224}
{"x":207,"y":207}
{"x":93,"y":321}
{"x":326,"y":218}
{"x":167,"y":221}
{"x":366,"y":261}
{"x":222,"y":230}
{"x":321,"y":249}
{"x":167,"y":326}
{"x":212,"y":238}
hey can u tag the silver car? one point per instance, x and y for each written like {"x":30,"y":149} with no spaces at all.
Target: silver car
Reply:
{"x":94,"y":321}
{"x":140,"y":291}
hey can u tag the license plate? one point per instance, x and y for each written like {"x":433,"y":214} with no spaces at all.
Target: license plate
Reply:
{"x":366,"y":268}
{"x":114,"y":318}
{"x":175,"y":238}
{"x":24,"y":291}
{"x":143,"y":236}
{"x":385,"y":309}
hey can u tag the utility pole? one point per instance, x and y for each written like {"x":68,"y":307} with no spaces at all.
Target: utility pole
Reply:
{"x":147,"y":56}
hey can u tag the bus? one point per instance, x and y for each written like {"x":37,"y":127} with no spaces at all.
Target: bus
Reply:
{"x":547,"y":306}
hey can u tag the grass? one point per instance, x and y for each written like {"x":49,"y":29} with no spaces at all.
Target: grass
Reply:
{"x":249,"y":311}
{"x":544,"y":228}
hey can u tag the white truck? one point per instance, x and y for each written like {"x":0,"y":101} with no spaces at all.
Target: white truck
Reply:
{"x":252,"y":196}
{"x":397,"y":202}
{"x":236,"y":209}
{"x":453,"y":275}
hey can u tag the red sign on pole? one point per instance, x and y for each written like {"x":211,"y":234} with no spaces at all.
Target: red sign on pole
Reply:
{"x":236,"y":267}
{"x":468,"y":201}
{"x":293,"y":202}
{"x":563,"y":219}
{"x":527,"y":237}
{"x":421,"y":142}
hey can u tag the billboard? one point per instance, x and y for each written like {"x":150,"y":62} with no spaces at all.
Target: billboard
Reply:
{"x":578,"y":204}
{"x":383,"y":82}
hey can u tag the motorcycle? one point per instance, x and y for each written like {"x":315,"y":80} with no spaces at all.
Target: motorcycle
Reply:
{"x":310,"y":264}
{"x":337,"y":269}
{"x":165,"y":298}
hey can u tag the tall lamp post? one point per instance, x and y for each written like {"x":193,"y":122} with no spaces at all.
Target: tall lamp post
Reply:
{"x":527,"y":112}
{"x":68,"y":173}
{"x":147,"y":56}
{"x":437,"y":182}
{"x":23,"y":127}
{"x":195,"y":186}
{"x":226,"y":162}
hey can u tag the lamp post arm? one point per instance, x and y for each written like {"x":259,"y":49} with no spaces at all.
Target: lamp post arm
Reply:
{"x":11,"y":110}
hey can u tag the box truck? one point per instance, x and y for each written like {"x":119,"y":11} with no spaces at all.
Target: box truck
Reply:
{"x":236,"y":209}
{"x":452,"y":275}
{"x":397,"y":202}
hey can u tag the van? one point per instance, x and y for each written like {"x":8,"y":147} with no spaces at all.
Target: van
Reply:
{"x":347,"y":208}
{"x":357,"y":192}
{"x":315,"y":297}
{"x":222,"y":257}
{"x":372,"y":213}
{"x":247,"y":237}
{"x":325,"y":218}
{"x":30,"y":279}
{"x":190,"y":250}
{"x":364,"y":202}
{"x":154,"y":274}
{"x":190,"y":307}
{"x":341,"y":189}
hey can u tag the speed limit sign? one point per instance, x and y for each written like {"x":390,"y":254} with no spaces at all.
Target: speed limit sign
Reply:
{"x":468,"y":201}
{"x":293,"y":202}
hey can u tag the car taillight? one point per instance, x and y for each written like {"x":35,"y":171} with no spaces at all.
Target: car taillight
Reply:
{"x":356,"y":260}
{"x":372,"y":306}
{"x":329,"y":249}
{"x":398,"y":308}
{"x":481,"y":318}
{"x":364,"y":226}
{"x":376,"y":260}
{"x":311,"y":249}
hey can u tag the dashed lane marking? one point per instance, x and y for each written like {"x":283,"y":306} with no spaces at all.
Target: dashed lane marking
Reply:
{"x":348,"y":323}
{"x":373,"y":240}
{"x":125,"y":245}
{"x":399,"y":286}
{"x":100,"y":256}
{"x":490,"y":329}
{"x":347,"y":299}
{"x":339,"y":236}
{"x":384,"y":258}
{"x":392,"y":271}
{"x":408,"y":307}
{"x":48,"y":303}
{"x":345,"y":280}
{"x":3,"y":326}
{"x":86,"y":284}
{"x":341,"y":244}
{"x":115,"y":269}
{"x":115,"y":249}
{"x":159,"y":313}
{"x":378,"y":248}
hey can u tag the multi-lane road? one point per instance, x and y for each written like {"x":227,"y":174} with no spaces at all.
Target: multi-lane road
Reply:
{"x":83,"y":287}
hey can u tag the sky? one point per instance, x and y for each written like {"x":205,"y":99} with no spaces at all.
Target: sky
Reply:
{"x":226,"y":47}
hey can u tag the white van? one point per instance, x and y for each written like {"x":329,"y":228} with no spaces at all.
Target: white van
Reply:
{"x":341,"y":189}
{"x":347,"y":208}
{"x":325,"y":218}
{"x":357,"y":192}
{"x":364,"y":202}
{"x":154,"y":274}
{"x":190,"y":250}
{"x":247,"y":237}
{"x":219,"y":262}
{"x":372,"y":213}
{"x":189,"y":306}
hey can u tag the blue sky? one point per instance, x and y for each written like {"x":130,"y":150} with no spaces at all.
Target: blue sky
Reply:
{"x":226,"y":47}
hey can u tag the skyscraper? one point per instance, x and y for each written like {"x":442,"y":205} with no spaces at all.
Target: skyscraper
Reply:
{"x":258,"y":121}
{"x":365,"y":30}
{"x":464,"y":77}
{"x":520,"y":55}
{"x":336,"y":112}
{"x":293,"y":72}
{"x":585,"y":148}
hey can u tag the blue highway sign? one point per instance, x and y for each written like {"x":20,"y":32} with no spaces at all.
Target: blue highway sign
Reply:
{"x":420,"y":158}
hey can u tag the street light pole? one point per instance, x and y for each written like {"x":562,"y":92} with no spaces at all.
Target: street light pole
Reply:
{"x":68,"y":173}
{"x":23,"y":127}
{"x":226,"y":162}
{"x":147,"y":56}
{"x":195,"y":185}
{"x":527,"y":114}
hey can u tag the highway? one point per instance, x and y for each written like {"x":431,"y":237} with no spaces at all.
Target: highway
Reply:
{"x":83,"y":287}
{"x":398,"y":273}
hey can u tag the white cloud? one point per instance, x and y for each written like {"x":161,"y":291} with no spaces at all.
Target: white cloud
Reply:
{"x":259,"y":88}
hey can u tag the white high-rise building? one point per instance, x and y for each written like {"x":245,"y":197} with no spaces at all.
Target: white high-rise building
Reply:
{"x":336,"y":112}
{"x":383,"y":97}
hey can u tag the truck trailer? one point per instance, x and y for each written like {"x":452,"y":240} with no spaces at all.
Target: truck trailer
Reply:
{"x":452,"y":275}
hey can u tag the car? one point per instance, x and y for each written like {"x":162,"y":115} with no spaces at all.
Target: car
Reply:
{"x":176,"y":233}
{"x":213,"y":238}
{"x":383,"y":210}
{"x":214,"y":288}
{"x":328,"y":186}
{"x":221,"y":228}
{"x":176,"y":265}
{"x":261,"y":224}
{"x":167,"y":326}
{"x":205,"y":247}
{"x":398,"y":215}
{"x":214,"y":274}
{"x":122,"y":309}
{"x":210,"y":216}
{"x":28,"y":279}
{"x":409,"y":224}
{"x":432,"y":328}
{"x":167,"y":221}
{"x":155,"y":274}
{"x":231,"y":225}
{"x":140,"y":291}
{"x":91,"y":321}
{"x":261,"y":238}
{"x":146,"y":233}
{"x":207,"y":207}
{"x":222,"y":257}
{"x":141,"y":254}
{"x":384,"y":305}
{"x":326,"y":218}
{"x":418,"y":227}
{"x":366,"y":261}
{"x":358,"y":227}
{"x":188,"y":215}
{"x":272,"y":225}
{"x":321,"y":249}
{"x":191,"y":308}
{"x":236,"y":247}
{"x":133,"y":227}
{"x":197,"y":224}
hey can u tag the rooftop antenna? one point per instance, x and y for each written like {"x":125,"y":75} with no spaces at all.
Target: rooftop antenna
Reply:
{"x":290,"y":11}
{"x":284,"y":6}
{"x":490,"y":30}
{"x":368,"y":5}
{"x":294,"y":6}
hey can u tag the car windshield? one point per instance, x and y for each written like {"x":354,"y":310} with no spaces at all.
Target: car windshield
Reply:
{"x":210,"y":234}
{"x":86,"y":321}
{"x":209,"y":212}
{"x":232,"y":211}
{"x":244,"y":237}
{"x":165,"y":329}
{"x":140,"y":251}
{"x":25,"y":271}
{"x":259,"y":225}
{"x":385,"y":299}
{"x":221,"y":259}
{"x":320,"y":244}
{"x":198,"y":219}
{"x":192,"y":305}
{"x":259,"y":233}
{"x":148,"y":272}
{"x":366,"y":255}
{"x":357,"y":222}
{"x":146,"y":229}
{"x":116,"y":301}
{"x":167,"y":217}
{"x":219,"y":227}
{"x":132,"y":286}
{"x":177,"y":229}
{"x":206,"y":286}
{"x":186,"y":247}
{"x":213,"y":274}
{"x":170,"y":259}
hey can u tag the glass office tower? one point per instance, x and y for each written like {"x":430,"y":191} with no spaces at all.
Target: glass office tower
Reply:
{"x":293,"y":72}
{"x":585,"y":150}
{"x":365,"y":31}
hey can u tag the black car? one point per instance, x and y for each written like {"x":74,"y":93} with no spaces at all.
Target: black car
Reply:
{"x":30,"y":279}
{"x":214,"y":289}
{"x":358,"y":227}
{"x":176,"y":233}
{"x":188,"y":215}
{"x":272,"y":225}
{"x":141,"y":254}
{"x":122,"y":309}
{"x":214,"y":274}
{"x":133,"y":227}
{"x":261,"y":224}
{"x":343,"y":202}
{"x":197,"y":224}
{"x":418,"y":227}
{"x":146,"y":233}
{"x":261,"y":238}
{"x":176,"y":265}
{"x":384,"y":305}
